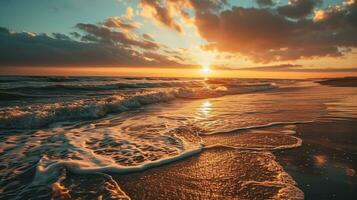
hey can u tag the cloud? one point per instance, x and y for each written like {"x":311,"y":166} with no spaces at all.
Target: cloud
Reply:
{"x":207,"y":5}
{"x":264,"y":35}
{"x":148,"y":37}
{"x":288,"y":68}
{"x":281,"y":67}
{"x":344,"y":15}
{"x":263,"y":3}
{"x":60,"y":36}
{"x":129,"y":13}
{"x":107,"y":35}
{"x":160,"y":13}
{"x":298,"y":8}
{"x":119,"y":22}
{"x":294,"y":31}
{"x":109,"y":48}
{"x":164,"y":12}
{"x":4,"y":30}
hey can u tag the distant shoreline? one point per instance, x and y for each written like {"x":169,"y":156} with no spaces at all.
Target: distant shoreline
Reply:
{"x":340,"y":82}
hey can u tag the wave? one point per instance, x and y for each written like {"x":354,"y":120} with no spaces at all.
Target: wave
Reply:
{"x":99,"y":84}
{"x":110,"y":86}
{"x":6,"y":79}
{"x":6,"y":96}
{"x":37,"y":116}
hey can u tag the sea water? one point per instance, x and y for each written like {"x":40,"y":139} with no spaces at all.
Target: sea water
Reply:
{"x":55,"y":130}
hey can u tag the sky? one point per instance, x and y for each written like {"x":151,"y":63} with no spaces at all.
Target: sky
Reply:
{"x":218,"y":38}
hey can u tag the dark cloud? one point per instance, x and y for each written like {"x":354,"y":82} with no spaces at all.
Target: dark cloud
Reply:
{"x":75,"y":35}
{"x":265,"y":36}
{"x":282,"y":67}
{"x":298,"y":8}
{"x":289,"y":68}
{"x":326,"y":70}
{"x":244,"y":30}
{"x":29,"y":49}
{"x":207,"y":5}
{"x":108,"y":35}
{"x":264,"y":3}
{"x":4,"y":30}
{"x":338,"y":16}
{"x":60,"y":36}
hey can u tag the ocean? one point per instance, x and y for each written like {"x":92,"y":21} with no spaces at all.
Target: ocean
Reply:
{"x":159,"y":138}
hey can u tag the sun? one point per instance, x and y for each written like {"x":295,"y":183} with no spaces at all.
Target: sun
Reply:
{"x":205,"y":59}
{"x":206,"y":70}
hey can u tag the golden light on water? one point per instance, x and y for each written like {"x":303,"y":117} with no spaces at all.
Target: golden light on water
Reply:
{"x":205,"y":108}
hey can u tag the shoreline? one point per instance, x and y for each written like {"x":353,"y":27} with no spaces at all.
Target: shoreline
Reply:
{"x":340,"y":82}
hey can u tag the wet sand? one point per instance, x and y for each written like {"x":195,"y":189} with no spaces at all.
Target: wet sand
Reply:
{"x":325,"y":165}
{"x":225,"y":169}
{"x":221,"y":173}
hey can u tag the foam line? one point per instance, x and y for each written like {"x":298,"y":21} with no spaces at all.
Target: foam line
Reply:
{"x":260,"y":126}
{"x":81,"y":167}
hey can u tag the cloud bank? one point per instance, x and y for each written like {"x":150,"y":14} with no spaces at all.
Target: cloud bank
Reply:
{"x":111,"y":43}
{"x":298,"y":30}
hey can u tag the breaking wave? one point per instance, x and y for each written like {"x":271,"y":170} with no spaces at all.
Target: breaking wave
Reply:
{"x":39,"y":115}
{"x":110,"y":86}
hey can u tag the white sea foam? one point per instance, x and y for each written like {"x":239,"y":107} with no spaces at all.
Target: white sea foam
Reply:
{"x":90,"y":149}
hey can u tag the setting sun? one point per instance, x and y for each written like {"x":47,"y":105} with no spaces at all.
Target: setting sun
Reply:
{"x":205,"y":59}
{"x":206,"y":70}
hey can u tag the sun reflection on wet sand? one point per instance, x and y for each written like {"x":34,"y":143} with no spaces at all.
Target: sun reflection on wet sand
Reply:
{"x":320,"y":160}
{"x":350,"y":171}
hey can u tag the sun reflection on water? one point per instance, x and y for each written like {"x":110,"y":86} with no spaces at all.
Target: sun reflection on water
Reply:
{"x":205,"y":108}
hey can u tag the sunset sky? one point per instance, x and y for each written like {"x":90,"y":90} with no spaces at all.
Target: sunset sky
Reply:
{"x":234,"y":38}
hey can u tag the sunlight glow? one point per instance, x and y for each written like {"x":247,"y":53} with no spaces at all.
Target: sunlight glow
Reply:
{"x":205,"y":59}
{"x":206,"y":70}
